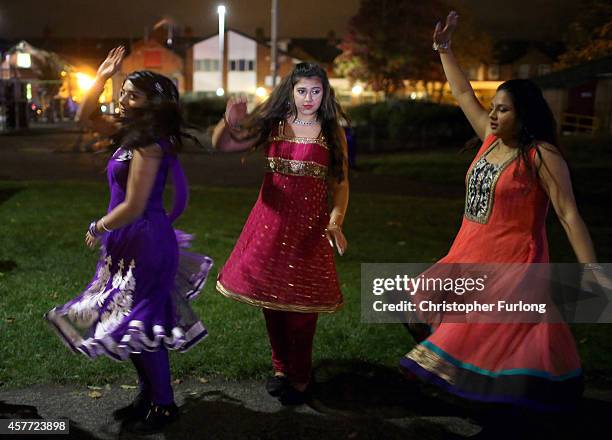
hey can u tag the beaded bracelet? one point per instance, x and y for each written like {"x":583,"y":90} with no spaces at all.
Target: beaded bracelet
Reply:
{"x":593,"y":266}
{"x":92,"y":229}
{"x":441,"y":47}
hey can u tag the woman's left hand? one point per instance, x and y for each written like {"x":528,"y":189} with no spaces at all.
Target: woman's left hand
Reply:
{"x":91,"y":241}
{"x":334,"y":235}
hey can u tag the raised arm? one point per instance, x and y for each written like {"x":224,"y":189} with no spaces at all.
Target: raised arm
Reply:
{"x":222,"y":140}
{"x":459,"y":84}
{"x":87,"y":115}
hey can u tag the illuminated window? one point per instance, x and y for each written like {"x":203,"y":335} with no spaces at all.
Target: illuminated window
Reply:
{"x":206,"y":65}
{"x":24,"y":60}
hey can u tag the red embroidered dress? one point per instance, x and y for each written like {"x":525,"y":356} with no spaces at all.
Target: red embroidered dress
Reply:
{"x":283,"y":260}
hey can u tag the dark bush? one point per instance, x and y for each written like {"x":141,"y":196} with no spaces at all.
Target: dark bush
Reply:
{"x":203,"y":112}
{"x":408,"y":124}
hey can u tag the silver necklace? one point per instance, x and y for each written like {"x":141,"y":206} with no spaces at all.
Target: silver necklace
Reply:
{"x":297,"y":121}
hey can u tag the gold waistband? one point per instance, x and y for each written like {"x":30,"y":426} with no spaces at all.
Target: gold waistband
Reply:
{"x":296,"y":167}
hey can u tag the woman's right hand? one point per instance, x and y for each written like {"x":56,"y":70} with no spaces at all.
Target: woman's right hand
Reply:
{"x":235,"y":111}
{"x":442,"y":36}
{"x":112,"y":63}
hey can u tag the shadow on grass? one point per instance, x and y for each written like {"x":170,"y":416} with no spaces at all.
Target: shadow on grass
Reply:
{"x":22,"y":412}
{"x":7,"y":266}
{"x":7,"y":193}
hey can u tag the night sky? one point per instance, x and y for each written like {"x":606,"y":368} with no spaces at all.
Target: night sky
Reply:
{"x":518,"y":19}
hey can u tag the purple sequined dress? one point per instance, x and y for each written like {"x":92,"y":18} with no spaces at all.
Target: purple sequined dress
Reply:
{"x":139,"y":297}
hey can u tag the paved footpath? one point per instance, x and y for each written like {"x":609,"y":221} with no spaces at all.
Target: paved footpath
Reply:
{"x":344,"y":405}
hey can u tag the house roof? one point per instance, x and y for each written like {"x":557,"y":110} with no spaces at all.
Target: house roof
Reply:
{"x":576,"y":75}
{"x":508,"y":51}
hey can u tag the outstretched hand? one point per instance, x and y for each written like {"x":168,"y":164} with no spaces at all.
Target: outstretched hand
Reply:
{"x":91,"y":241}
{"x":335,"y":236}
{"x":443,"y":36}
{"x":112,"y":63}
{"x":236,"y":111}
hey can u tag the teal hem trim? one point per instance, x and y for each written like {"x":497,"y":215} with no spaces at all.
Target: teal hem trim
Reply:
{"x":511,"y":372}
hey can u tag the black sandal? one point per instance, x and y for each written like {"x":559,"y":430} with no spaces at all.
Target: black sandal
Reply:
{"x":135,"y":410}
{"x":157,"y":419}
{"x":276,"y":385}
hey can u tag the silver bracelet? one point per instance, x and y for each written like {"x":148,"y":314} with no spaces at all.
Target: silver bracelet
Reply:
{"x":444,"y":46}
{"x":593,"y":266}
{"x":104,"y":226}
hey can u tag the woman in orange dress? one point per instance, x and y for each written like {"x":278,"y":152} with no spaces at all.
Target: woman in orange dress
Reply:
{"x":518,"y":171}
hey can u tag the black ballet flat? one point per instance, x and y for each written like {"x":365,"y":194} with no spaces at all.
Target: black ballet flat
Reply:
{"x":275,"y":385}
{"x":156,"y":420}
{"x":135,"y":410}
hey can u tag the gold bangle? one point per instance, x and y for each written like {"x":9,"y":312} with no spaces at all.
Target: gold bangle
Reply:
{"x":104,"y":226}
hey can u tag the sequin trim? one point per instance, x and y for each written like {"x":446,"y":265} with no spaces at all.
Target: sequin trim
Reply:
{"x":276,"y":306}
{"x":292,"y":167}
{"x":280,"y":136}
{"x":433,"y":363}
{"x":481,"y":182}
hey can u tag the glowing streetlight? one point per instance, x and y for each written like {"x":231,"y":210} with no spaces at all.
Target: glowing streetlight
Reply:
{"x":220,"y":91}
{"x":84,"y":81}
{"x":357,"y":90}
{"x":24,"y":60}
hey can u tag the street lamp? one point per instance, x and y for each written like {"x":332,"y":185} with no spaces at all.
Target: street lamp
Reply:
{"x":357,"y":90}
{"x":274,"y":42}
{"x":221,"y":11}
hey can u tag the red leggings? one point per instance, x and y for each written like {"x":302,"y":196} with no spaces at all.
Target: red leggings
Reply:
{"x":291,"y":335}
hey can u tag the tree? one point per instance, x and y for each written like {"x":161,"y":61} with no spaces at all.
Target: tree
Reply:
{"x":589,"y":36}
{"x":389,"y":41}
{"x":384,"y":42}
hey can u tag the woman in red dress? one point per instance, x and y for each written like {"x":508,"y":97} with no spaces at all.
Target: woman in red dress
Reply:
{"x":283,"y":261}
{"x":515,"y":174}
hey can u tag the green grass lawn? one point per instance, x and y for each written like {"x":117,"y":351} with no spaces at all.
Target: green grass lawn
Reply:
{"x":43,"y":262}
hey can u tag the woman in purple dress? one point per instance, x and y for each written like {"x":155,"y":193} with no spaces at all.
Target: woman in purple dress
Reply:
{"x":137,"y":304}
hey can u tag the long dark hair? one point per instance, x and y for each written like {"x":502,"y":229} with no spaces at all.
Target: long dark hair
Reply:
{"x":535,"y":119}
{"x":280,"y":105}
{"x":160,"y":118}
